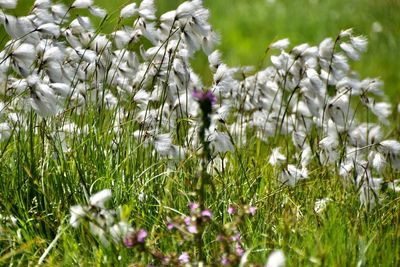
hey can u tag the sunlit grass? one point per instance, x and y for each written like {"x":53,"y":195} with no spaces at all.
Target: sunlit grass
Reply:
{"x":41,"y":179}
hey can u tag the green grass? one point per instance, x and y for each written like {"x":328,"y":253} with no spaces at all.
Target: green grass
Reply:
{"x":39,"y":183}
{"x":344,"y":235}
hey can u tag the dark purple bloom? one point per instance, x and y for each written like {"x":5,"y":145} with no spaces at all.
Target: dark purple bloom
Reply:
{"x":206,"y":96}
{"x":141,"y":236}
{"x":128,"y":241}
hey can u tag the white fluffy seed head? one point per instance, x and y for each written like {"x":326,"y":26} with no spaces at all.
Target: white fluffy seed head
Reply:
{"x":100,"y":198}
{"x":8,"y":4}
{"x":359,"y":42}
{"x":276,"y":259}
{"x":129,"y":11}
{"x":81,"y":4}
{"x":280,"y":44}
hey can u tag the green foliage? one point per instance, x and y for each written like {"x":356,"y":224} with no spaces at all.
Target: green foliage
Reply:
{"x":39,"y":183}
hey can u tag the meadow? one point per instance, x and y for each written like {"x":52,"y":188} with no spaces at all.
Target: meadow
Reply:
{"x":172,"y":133}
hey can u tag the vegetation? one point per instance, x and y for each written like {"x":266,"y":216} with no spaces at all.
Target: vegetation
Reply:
{"x":114,"y":151}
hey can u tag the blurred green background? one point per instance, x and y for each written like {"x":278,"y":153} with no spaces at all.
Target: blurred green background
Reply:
{"x":247,"y":27}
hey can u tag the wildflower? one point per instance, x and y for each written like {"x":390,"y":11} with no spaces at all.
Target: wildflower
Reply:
{"x":206,"y":98}
{"x":252,"y":210}
{"x":184,"y":258}
{"x":135,"y":238}
{"x":373,"y":86}
{"x":231,"y":210}
{"x":193,"y":207}
{"x":206,"y":214}
{"x":239,"y":250}
{"x":225,"y":260}
{"x":192,"y":228}
{"x":306,"y":156}
{"x":141,"y":236}
{"x":170,"y":225}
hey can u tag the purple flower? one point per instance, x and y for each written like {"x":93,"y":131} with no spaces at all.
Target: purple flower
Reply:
{"x":231,"y":210}
{"x":193,"y":206}
{"x":206,"y":96}
{"x":192,"y":229}
{"x":187,"y":220}
{"x":170,"y":226}
{"x":133,"y":239}
{"x":239,"y":250}
{"x":128,"y":242}
{"x":220,"y":238}
{"x":225,"y":261}
{"x":141,"y":236}
{"x":252,"y":210}
{"x":206,"y":213}
{"x":236,"y":237}
{"x":184,"y":258}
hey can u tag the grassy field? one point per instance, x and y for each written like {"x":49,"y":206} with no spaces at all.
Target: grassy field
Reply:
{"x":45,"y":169}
